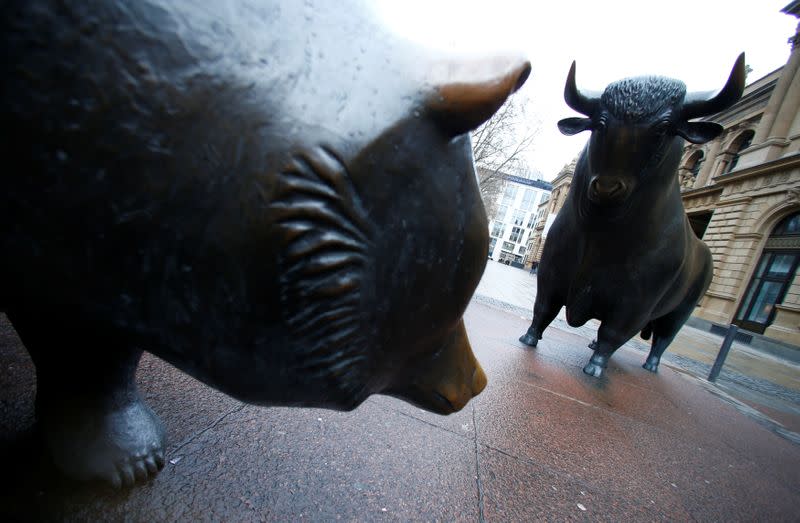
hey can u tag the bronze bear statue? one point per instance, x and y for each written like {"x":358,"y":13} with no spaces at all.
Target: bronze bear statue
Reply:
{"x":278,"y":198}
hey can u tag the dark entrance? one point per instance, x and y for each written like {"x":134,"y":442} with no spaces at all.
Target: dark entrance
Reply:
{"x":774,"y":274}
{"x":699,"y":222}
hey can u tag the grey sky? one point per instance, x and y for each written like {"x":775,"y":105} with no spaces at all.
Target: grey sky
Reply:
{"x":696,"y":41}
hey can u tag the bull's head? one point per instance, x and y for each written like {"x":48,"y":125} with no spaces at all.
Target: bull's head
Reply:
{"x":637,"y":125}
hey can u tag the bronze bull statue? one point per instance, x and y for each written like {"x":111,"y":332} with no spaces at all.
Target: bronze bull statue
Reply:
{"x":621,"y":249}
{"x":278,"y":198}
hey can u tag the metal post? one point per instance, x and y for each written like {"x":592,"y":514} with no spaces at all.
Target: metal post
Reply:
{"x":723,"y":352}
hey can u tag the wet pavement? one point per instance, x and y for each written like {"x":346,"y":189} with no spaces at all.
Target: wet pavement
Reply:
{"x":751,"y":378}
{"x":542,"y":442}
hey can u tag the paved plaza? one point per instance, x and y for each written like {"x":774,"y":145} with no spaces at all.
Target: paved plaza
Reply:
{"x":543,"y":442}
{"x":750,"y":379}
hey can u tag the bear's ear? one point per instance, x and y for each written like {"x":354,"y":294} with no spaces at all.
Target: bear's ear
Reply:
{"x":460,"y":107}
{"x":570,"y":126}
{"x":699,"y":132}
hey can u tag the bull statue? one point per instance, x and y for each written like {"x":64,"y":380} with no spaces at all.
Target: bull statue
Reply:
{"x":278,"y":198}
{"x":621,"y":249}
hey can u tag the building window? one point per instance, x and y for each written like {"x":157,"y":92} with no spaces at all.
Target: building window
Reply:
{"x":741,"y":143}
{"x":502,"y":210}
{"x":492,"y":243}
{"x":511,"y":193}
{"x":774,"y":274}
{"x":528,"y":199}
{"x":516,"y":234}
{"x":519,"y":217}
{"x":521,"y":249}
{"x":532,"y":220}
{"x":508,"y":246}
{"x":695,"y":163}
{"x":498,"y":229}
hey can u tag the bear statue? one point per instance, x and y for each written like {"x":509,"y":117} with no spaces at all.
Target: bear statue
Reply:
{"x":277,"y":197}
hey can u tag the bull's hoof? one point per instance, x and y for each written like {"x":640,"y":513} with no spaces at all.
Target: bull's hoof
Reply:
{"x":120,"y":447}
{"x":529,"y":340}
{"x":651,"y":364}
{"x":593,"y":369}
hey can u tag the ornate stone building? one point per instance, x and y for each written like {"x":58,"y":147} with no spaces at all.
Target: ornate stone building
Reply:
{"x":742,"y":195}
{"x":546,"y":213}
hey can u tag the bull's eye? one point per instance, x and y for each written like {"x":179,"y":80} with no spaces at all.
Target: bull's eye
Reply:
{"x":662,"y":128}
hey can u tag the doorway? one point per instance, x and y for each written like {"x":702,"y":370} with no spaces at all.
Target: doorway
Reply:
{"x":699,"y":222}
{"x":773,"y":276}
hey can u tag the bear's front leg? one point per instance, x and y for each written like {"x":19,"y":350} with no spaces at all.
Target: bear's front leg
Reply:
{"x":94,"y":423}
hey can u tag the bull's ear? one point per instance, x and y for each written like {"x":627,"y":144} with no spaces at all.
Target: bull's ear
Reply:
{"x":460,"y":107}
{"x":570,"y":126}
{"x":699,"y":132}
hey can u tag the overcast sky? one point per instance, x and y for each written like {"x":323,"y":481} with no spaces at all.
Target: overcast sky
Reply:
{"x":696,"y":41}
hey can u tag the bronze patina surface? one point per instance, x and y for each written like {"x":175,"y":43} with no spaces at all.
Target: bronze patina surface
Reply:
{"x":278,"y":198}
{"x":621,"y":250}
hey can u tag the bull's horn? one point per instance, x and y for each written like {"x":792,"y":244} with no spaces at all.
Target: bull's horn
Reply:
{"x":462,"y":107}
{"x":706,"y":103}
{"x":583,"y":103}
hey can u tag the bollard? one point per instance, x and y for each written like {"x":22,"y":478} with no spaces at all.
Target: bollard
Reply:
{"x":723,"y":352}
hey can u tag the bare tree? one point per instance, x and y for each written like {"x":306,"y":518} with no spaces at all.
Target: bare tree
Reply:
{"x":498,"y":147}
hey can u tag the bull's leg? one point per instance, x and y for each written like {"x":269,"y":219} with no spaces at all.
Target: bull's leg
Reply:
{"x":665,"y":329}
{"x":608,"y":341}
{"x":93,"y":420}
{"x":545,"y":311}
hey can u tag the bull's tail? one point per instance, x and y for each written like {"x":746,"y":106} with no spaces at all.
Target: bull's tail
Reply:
{"x":647,"y":331}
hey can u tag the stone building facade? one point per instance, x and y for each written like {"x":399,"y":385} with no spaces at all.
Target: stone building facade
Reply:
{"x":741,"y":192}
{"x":546,"y":213}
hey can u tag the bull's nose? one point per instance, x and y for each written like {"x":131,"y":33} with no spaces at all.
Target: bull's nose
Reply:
{"x":607,"y":189}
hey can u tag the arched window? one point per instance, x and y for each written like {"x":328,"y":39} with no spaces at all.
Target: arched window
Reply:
{"x":742,"y":142}
{"x":695,"y":162}
{"x":774,"y":274}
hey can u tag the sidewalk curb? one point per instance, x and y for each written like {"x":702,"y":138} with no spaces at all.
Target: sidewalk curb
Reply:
{"x":761,"y":418}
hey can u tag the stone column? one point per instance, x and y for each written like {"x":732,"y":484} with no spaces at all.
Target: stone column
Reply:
{"x":788,"y":109}
{"x":704,"y":176}
{"x":723,"y":161}
{"x":764,"y":130}
{"x":770,"y":138}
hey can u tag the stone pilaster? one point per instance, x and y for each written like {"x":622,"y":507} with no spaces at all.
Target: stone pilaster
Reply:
{"x":770,"y":140}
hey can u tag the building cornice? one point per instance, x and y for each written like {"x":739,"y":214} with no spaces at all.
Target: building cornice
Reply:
{"x":561,"y":178}
{"x":721,"y":295}
{"x":758,"y":170}
{"x":748,"y":235}
{"x":734,"y":201}
{"x":700,"y":191}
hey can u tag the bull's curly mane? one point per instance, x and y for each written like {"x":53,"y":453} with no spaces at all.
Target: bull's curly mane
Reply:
{"x":635,"y":99}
